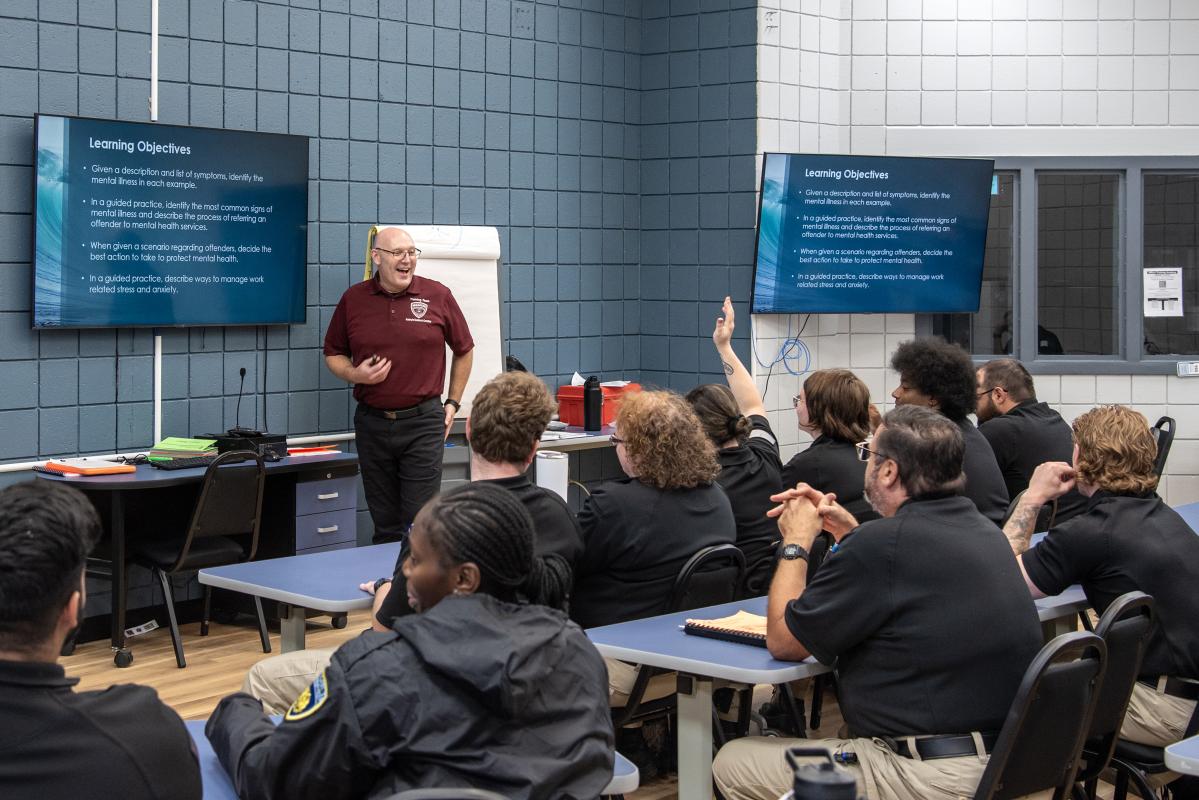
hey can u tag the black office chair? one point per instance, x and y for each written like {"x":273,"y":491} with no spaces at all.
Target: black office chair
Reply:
{"x":709,"y":577}
{"x":1045,"y":516}
{"x":1125,"y":629}
{"x":230,"y":505}
{"x":1038,"y":747}
{"x":1163,"y":433}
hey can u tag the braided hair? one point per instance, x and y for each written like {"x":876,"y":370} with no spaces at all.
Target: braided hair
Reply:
{"x":487,"y":525}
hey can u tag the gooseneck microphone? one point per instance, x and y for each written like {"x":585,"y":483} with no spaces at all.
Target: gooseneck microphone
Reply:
{"x":238,"y":430}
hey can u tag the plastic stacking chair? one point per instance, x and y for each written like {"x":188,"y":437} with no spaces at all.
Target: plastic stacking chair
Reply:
{"x":1041,"y":739}
{"x":230,"y":505}
{"x":711,"y":576}
{"x":1125,"y":629}
{"x":1163,"y":433}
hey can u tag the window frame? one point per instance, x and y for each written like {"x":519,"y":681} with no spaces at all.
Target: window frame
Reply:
{"x":1128,"y":360}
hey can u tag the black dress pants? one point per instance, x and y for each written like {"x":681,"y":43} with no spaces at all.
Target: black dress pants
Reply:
{"x":400,"y":461}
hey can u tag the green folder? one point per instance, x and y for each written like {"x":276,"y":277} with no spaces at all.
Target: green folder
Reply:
{"x":181,"y":444}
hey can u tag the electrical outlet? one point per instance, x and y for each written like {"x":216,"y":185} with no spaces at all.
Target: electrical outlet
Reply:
{"x":1188,"y":369}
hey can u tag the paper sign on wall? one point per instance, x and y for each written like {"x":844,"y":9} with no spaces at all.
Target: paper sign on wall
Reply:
{"x":1163,"y":292}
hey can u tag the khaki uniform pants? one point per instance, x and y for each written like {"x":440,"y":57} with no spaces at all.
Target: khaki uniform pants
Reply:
{"x":1155,"y":719}
{"x":277,"y":681}
{"x":755,"y":768}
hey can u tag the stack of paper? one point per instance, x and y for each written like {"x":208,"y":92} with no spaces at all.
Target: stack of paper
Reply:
{"x":179,"y":447}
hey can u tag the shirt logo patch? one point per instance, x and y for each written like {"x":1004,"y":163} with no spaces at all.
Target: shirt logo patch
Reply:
{"x":418,"y":307}
{"x":309,"y":701}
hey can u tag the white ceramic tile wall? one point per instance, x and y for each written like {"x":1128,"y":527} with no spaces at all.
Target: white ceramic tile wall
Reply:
{"x":976,"y":78}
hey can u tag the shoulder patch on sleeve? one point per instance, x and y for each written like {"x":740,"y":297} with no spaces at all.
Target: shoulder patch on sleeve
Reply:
{"x":309,"y":701}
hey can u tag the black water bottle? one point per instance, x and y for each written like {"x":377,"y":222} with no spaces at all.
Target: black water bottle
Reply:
{"x":593,"y":405}
{"x":823,"y":781}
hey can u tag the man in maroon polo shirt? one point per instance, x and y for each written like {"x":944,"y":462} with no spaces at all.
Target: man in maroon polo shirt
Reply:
{"x":388,"y":337}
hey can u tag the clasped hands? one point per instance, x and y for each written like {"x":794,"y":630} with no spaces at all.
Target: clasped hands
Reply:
{"x":803,"y":512}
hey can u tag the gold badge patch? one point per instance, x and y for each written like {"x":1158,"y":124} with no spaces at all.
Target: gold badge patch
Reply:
{"x":309,"y":701}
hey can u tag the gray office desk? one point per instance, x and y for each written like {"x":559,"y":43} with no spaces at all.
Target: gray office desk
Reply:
{"x":145,"y":486}
{"x":1184,"y":756}
{"x":325,"y":582}
{"x":660,"y":642}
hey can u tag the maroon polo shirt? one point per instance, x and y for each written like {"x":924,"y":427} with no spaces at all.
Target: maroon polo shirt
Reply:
{"x":411,"y":328}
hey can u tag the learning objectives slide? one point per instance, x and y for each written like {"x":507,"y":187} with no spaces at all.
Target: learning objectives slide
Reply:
{"x":144,"y":224}
{"x":844,"y":234}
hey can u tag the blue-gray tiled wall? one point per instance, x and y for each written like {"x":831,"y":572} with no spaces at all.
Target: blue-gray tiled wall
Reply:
{"x":611,"y":143}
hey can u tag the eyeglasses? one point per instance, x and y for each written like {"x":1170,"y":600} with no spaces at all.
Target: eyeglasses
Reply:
{"x":864,"y":451}
{"x":412,"y":253}
{"x":795,"y":400}
{"x":615,"y":440}
{"x":986,"y":391}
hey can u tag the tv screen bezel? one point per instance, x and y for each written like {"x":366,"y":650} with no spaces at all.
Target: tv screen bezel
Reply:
{"x":758,"y":236}
{"x":33,"y":217}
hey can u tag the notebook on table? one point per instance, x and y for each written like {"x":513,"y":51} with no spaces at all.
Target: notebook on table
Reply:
{"x":742,"y":628}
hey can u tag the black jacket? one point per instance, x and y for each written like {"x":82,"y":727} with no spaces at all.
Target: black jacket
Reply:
{"x":472,"y":693}
{"x":121,"y":742}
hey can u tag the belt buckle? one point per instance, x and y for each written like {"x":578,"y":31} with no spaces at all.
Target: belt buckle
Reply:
{"x":390,"y":415}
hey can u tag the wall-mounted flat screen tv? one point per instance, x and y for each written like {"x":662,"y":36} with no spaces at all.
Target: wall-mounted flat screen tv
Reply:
{"x":142,"y":224}
{"x":870,"y":234}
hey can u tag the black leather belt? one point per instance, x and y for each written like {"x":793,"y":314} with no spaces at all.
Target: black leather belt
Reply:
{"x":424,"y":407}
{"x":948,"y":746}
{"x":1176,"y":687}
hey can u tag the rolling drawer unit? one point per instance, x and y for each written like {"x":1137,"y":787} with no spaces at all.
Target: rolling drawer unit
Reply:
{"x":326,"y":513}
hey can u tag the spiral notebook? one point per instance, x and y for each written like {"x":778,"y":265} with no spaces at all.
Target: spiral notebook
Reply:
{"x":742,"y":628}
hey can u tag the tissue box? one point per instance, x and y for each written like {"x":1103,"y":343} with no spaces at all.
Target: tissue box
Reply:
{"x":570,"y":402}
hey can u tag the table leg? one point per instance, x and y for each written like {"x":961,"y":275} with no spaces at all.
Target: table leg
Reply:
{"x":695,"y":739}
{"x":1056,"y":627}
{"x":121,"y":655}
{"x":291,"y":628}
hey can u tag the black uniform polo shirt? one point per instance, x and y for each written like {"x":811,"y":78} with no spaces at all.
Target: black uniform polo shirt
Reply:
{"x":984,"y":481}
{"x":832,"y":465}
{"x":1026,"y":437}
{"x":749,"y":474}
{"x":1125,"y":543}
{"x":928,"y":618}
{"x":122,"y":742}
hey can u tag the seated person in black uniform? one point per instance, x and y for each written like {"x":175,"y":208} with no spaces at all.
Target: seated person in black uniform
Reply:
{"x":734,"y":418}
{"x":1022,"y":432}
{"x":1126,"y":540}
{"x":834,"y":408}
{"x":897,"y":607}
{"x":507,"y":418}
{"x":940,"y":375}
{"x":638,"y":532}
{"x":479,"y":689}
{"x":56,"y":742}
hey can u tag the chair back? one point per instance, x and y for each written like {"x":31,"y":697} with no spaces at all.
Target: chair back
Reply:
{"x":710,"y":577}
{"x":1039,"y":745}
{"x":1125,"y":629}
{"x":230,"y":502}
{"x":1045,"y":516}
{"x":1163,"y":434}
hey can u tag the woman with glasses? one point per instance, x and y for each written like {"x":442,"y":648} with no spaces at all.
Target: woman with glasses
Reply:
{"x":640,"y":530}
{"x":734,"y":419}
{"x":834,"y":408}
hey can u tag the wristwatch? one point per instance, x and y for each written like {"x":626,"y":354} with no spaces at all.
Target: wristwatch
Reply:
{"x":791,"y":552}
{"x":452,"y":402}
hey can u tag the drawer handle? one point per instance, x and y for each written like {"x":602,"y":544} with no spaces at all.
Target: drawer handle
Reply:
{"x":330,"y":529}
{"x":329,"y":496}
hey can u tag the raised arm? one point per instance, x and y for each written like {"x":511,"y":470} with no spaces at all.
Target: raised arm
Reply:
{"x":749,"y":402}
